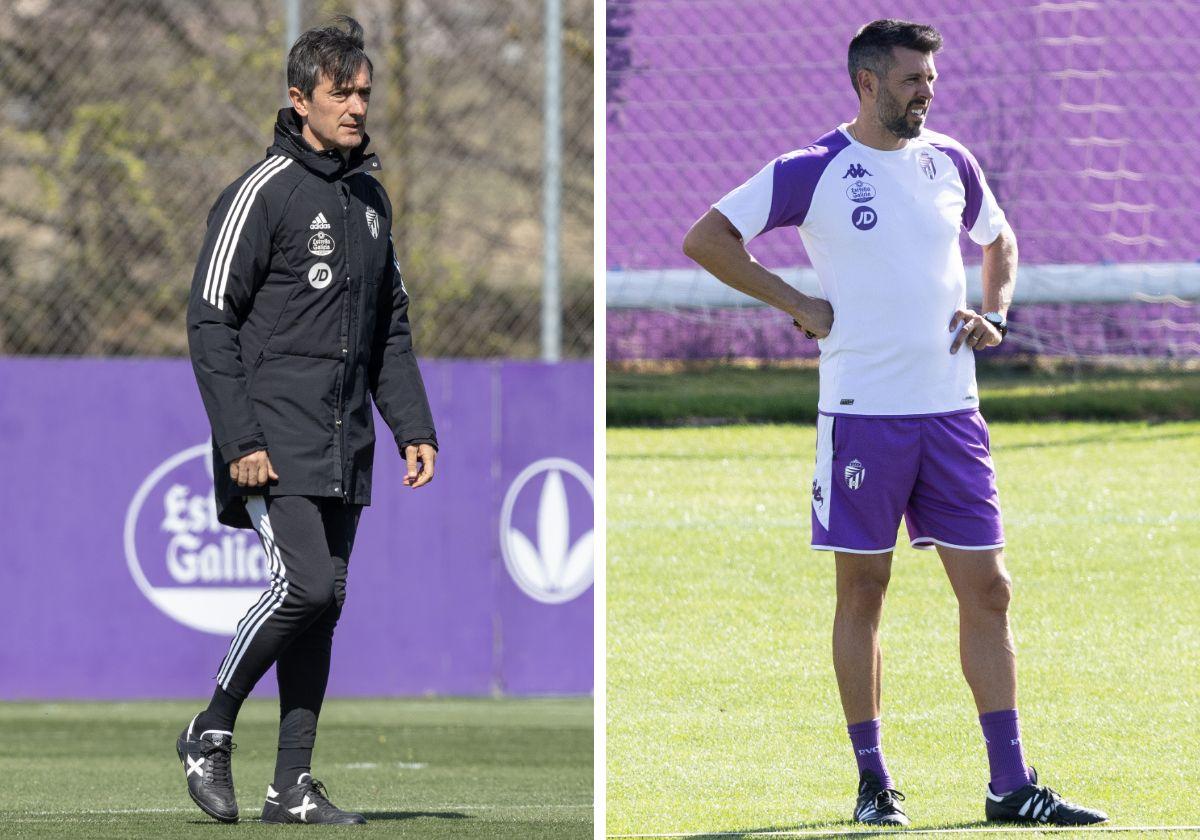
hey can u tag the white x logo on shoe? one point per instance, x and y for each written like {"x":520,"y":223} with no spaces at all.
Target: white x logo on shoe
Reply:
{"x":302,"y":809}
{"x":195,"y":765}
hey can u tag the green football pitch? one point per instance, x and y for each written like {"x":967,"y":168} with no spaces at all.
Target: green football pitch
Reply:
{"x":416,"y":768}
{"x":723,"y":712}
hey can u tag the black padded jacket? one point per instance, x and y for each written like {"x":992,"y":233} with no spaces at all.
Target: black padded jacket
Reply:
{"x":297,"y":318}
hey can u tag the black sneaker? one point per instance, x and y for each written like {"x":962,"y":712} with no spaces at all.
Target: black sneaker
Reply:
{"x":1036,"y":803}
{"x":877,"y":804}
{"x":206,"y":769}
{"x":307,"y":801}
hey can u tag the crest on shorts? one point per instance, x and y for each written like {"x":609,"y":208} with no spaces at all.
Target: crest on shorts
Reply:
{"x":855,"y":473}
{"x":373,"y":222}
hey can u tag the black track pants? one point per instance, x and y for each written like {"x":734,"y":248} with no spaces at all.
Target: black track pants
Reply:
{"x":307,"y":541}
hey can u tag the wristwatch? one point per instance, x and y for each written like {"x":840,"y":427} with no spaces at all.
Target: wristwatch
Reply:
{"x":998,"y":321}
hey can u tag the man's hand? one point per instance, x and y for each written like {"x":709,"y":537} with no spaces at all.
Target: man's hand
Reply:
{"x":816,"y":319}
{"x":423,"y":454}
{"x":253,"y":470}
{"x":976,"y":331}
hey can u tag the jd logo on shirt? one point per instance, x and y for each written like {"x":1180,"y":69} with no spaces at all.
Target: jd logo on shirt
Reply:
{"x":864,"y":218}
{"x":319,"y":276}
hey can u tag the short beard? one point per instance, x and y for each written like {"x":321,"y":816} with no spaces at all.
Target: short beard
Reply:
{"x":895,"y":118}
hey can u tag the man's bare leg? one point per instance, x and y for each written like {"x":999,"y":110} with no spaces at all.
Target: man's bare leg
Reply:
{"x":989,"y":658}
{"x":862,"y":581}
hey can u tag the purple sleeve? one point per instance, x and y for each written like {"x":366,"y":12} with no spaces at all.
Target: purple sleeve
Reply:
{"x":971,"y":177}
{"x":796,"y":177}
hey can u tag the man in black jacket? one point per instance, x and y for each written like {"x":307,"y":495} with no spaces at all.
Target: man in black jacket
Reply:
{"x":298,"y":316}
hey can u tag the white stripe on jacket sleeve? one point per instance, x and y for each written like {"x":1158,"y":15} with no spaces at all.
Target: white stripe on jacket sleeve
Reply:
{"x":231,"y":228}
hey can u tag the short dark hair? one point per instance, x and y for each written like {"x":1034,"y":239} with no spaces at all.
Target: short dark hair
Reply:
{"x":330,"y":52}
{"x":871,"y":48}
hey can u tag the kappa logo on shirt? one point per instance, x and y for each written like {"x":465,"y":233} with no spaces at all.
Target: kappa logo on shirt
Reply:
{"x":856,"y":170}
{"x":319,"y":223}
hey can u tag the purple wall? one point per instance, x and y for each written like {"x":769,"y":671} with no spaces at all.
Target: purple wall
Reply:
{"x":1160,"y":330}
{"x":113,"y":567}
{"x":1072,"y":109}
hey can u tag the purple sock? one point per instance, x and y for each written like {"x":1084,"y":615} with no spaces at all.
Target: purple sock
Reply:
{"x":865,"y":737}
{"x":1002,"y":734}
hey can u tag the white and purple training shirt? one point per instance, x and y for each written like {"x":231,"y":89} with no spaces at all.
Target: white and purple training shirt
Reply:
{"x":881,"y":229}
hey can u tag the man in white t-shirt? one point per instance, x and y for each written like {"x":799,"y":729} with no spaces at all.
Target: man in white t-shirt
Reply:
{"x":879,"y":203}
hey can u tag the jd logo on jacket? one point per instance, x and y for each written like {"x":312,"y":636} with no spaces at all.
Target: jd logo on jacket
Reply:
{"x":320,"y":275}
{"x":196,"y":570}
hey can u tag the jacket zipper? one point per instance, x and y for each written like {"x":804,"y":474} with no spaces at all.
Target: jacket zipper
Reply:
{"x":344,"y":200}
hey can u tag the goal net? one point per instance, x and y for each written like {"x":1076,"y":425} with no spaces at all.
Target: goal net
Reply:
{"x":1081,"y":114}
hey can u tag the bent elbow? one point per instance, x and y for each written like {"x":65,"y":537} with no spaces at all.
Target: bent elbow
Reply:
{"x":689,"y":244}
{"x":693,"y":246}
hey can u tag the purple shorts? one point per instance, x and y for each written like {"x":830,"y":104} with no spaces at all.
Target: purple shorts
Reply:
{"x":935,"y":471}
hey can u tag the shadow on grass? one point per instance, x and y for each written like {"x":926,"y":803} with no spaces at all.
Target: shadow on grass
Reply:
{"x":1139,"y":437}
{"x":370,"y":815}
{"x":412,"y":815}
{"x":843,"y":829}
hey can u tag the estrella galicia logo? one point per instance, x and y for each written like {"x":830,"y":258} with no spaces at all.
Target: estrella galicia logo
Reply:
{"x":860,"y":192}
{"x":187,"y":564}
{"x":320,"y":244}
{"x":855,"y":472}
{"x":864,"y":218}
{"x":856,"y":170}
{"x":926,"y":161}
{"x":557,"y":565}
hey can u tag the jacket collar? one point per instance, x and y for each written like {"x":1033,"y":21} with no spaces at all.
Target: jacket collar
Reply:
{"x":328,"y":164}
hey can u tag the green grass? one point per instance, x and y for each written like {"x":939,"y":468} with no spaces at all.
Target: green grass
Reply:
{"x":416,"y":768}
{"x":723,"y":712}
{"x":789,"y":394}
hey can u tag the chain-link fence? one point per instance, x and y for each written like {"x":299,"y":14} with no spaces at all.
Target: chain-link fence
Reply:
{"x":122,"y":120}
{"x":1058,"y":100}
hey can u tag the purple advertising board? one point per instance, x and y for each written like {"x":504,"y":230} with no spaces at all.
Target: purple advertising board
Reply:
{"x":121,"y":584}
